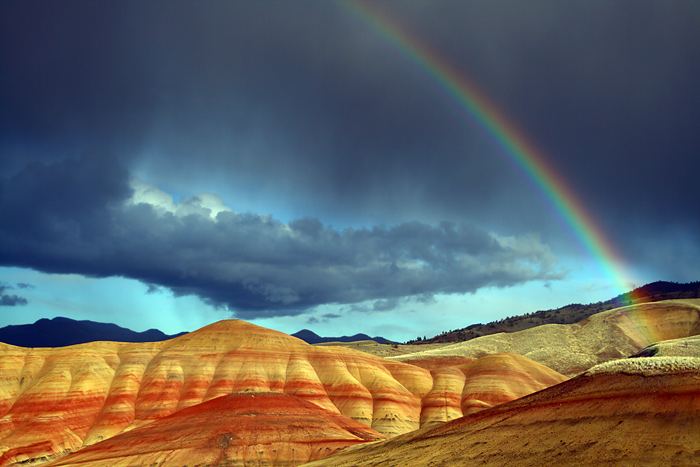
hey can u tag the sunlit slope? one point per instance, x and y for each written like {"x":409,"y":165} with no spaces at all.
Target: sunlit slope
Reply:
{"x":53,"y":401}
{"x":681,"y":347}
{"x":573,"y":348}
{"x":268,"y":428}
{"x":482,"y":383}
{"x":630,"y":412}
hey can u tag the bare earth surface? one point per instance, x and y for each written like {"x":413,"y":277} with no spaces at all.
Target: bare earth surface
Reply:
{"x":629,"y":413}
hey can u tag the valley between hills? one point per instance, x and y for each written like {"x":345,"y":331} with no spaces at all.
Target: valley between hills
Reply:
{"x":620,"y":387}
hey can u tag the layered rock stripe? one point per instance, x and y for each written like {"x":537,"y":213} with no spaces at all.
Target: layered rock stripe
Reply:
{"x":625,"y":413}
{"x":235,"y":430}
{"x":54,"y":401}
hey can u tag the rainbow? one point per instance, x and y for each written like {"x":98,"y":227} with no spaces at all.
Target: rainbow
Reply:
{"x":505,"y":135}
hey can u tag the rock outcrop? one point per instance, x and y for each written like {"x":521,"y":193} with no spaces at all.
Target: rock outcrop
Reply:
{"x":57,"y":400}
{"x":629,"y":412}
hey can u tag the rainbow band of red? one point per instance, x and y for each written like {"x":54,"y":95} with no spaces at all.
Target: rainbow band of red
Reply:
{"x":523,"y":153}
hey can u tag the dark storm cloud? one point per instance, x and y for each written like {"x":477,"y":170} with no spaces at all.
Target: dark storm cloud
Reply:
{"x":324,"y":318}
{"x":11,"y":300}
{"x":307,"y":100}
{"x":306,"y":106}
{"x":73,"y":217}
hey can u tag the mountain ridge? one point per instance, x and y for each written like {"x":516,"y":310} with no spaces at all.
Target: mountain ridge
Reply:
{"x":311,"y":337}
{"x":63,"y":332}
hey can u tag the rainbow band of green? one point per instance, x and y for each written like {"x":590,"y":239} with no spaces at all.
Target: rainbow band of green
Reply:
{"x":506,"y":136}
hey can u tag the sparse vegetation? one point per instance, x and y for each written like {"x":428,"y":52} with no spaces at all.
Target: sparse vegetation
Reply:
{"x":647,"y":366}
{"x":569,"y":314}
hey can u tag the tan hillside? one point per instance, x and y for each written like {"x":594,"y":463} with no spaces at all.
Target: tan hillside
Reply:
{"x":636,"y":412}
{"x":57,"y":400}
{"x":573,"y":348}
{"x":383,"y":350}
{"x":569,"y":314}
{"x":681,"y":347}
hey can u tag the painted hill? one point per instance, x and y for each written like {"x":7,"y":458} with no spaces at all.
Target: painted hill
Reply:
{"x":625,"y":413}
{"x":61,"y":332}
{"x":461,"y":389}
{"x":573,"y":348}
{"x":57,"y":400}
{"x":311,"y":337}
{"x":569,"y":314}
{"x":271,"y":428}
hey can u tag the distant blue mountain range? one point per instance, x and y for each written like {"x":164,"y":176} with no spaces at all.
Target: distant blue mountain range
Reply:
{"x":313,"y":338}
{"x":60,"y":332}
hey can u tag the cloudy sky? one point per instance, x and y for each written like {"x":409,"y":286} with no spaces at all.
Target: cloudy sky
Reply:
{"x":169,"y":164}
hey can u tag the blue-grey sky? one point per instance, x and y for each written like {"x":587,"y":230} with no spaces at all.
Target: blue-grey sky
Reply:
{"x":169,"y":164}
